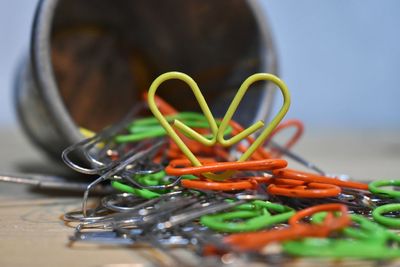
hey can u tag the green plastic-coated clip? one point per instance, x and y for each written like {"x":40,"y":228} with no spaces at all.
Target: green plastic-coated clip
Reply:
{"x":378,"y":215}
{"x":150,"y":127}
{"x":144,"y":193}
{"x":367,"y":241}
{"x":253,"y":217}
{"x":375,"y":188}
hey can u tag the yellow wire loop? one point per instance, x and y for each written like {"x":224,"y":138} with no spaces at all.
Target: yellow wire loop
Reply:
{"x":178,"y":124}
{"x":270,"y":127}
{"x":218,"y":131}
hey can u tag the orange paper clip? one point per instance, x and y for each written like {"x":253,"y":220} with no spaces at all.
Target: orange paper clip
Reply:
{"x":258,"y":240}
{"x":180,"y":167}
{"x":315,"y":178}
{"x":226,"y":185}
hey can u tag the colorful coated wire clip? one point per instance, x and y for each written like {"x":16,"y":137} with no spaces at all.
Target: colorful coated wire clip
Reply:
{"x":187,"y":179}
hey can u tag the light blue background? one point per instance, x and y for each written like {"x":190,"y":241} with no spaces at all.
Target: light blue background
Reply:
{"x":341,"y":59}
{"x":15,"y":21}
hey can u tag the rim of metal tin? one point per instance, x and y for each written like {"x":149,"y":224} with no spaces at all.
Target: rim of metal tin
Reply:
{"x":43,"y":72}
{"x":48,"y":89}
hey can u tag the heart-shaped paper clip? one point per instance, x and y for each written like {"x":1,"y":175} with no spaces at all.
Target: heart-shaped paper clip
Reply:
{"x":164,"y":123}
{"x":270,"y":127}
{"x":217,"y":132}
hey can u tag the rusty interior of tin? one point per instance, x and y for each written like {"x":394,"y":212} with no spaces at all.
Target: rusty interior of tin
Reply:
{"x":105,"y":55}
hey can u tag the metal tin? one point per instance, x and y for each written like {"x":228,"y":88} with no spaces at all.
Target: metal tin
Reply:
{"x":91,"y":60}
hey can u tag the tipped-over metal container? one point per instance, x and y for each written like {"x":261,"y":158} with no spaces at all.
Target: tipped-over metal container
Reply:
{"x":91,"y":60}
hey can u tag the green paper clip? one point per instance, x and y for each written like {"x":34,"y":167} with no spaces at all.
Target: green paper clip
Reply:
{"x":150,"y":127}
{"x":248,"y":218}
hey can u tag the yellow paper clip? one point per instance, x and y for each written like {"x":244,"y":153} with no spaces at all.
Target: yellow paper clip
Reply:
{"x":218,"y":131}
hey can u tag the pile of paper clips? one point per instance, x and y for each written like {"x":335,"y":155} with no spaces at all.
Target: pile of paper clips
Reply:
{"x":185,"y":179}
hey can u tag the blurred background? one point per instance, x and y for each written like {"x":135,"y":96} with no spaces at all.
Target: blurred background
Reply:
{"x":340,"y":59}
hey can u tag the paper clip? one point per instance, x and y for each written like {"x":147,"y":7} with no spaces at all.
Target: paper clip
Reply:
{"x":255,"y":215}
{"x":259,"y":154}
{"x":162,"y":105}
{"x":378,"y":216}
{"x":180,"y":166}
{"x":257,"y":241}
{"x":304,"y":190}
{"x":375,"y":188}
{"x":218,"y":131}
{"x":314,"y":178}
{"x":144,"y":128}
{"x":233,"y":184}
{"x":292,"y":123}
{"x":369,"y":241}
{"x":277,"y":150}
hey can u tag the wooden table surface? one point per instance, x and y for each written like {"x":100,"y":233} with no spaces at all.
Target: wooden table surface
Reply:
{"x":32,"y":233}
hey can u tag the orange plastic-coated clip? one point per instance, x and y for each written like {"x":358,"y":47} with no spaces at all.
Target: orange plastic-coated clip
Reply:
{"x":226,"y":185}
{"x":179,"y":166}
{"x":310,"y":177}
{"x":258,"y":240}
{"x":310,"y":190}
{"x":333,"y":224}
{"x":292,"y":123}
